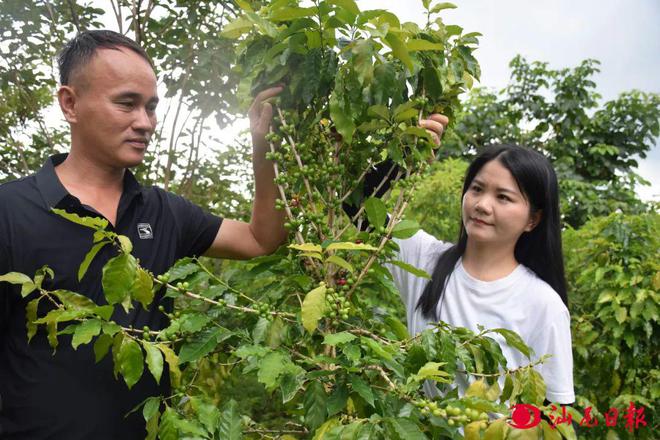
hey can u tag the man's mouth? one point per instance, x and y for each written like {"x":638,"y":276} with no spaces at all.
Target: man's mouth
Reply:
{"x":139,"y":142}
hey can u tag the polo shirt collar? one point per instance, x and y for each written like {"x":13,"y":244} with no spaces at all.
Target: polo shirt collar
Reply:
{"x":54,"y":192}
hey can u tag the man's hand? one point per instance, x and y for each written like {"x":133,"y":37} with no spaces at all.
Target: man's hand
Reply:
{"x":261,"y":115}
{"x":435,"y":125}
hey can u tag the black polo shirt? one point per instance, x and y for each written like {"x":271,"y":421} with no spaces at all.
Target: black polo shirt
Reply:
{"x":66,"y":395}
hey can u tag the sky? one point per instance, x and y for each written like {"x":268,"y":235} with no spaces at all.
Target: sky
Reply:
{"x":623,"y":35}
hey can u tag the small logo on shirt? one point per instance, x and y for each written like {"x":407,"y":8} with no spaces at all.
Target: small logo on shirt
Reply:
{"x":144,"y":231}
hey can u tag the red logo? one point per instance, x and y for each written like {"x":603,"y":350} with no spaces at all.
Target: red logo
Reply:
{"x":524,"y":416}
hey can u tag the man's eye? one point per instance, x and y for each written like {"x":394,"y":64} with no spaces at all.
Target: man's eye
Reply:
{"x":126,"y":104}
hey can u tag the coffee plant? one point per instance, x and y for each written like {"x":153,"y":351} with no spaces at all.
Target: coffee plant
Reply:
{"x":306,"y":329}
{"x":613,"y":266}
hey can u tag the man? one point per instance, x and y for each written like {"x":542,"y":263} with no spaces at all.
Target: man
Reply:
{"x":108,"y":96}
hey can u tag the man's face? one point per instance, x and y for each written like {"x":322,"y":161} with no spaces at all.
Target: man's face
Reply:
{"x":115,"y":107}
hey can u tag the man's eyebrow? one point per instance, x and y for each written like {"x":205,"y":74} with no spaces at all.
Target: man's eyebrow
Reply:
{"x":134,"y":95}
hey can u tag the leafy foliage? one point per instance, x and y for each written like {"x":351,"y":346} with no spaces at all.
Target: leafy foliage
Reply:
{"x":614,"y":272}
{"x":437,"y":203}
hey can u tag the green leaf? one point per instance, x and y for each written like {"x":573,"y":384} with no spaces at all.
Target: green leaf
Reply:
{"x":19,"y":278}
{"x":338,"y":398}
{"x":131,"y":361}
{"x":89,"y":258}
{"x":290,"y":383}
{"x":313,"y":307}
{"x":420,"y":45}
{"x":315,"y":405}
{"x":118,"y":277}
{"x":399,"y":50}
{"x":31,"y":316}
{"x":125,"y":243}
{"x":405,"y":229}
{"x":406,"y":429}
{"x":306,"y":247}
{"x":229,"y":427}
{"x":410,"y":268}
{"x":419,"y":132}
{"x":407,"y":115}
{"x":380,"y":111}
{"x":325,"y":428}
{"x":90,"y":222}
{"x":440,"y":6}
{"x":271,"y":367}
{"x":154,"y":360}
{"x":348,"y":5}
{"x":348,"y":246}
{"x":203,"y":343}
{"x":75,"y":300}
{"x":376,"y":348}
{"x":236,"y":28}
{"x":85,"y":332}
{"x":291,"y":13}
{"x":339,"y":261}
{"x":495,"y":430}
{"x":342,"y":117}
{"x":478,"y":388}
{"x":621,"y":314}
{"x":173,"y":362}
{"x":152,"y":410}
{"x":397,"y":327}
{"x":514,"y":340}
{"x":433,"y":371}
{"x":376,"y":211}
{"x":143,"y":288}
{"x":101,"y":346}
{"x":151,"y":407}
{"x":363,"y":389}
{"x":15,"y":278}
{"x":338,"y":338}
{"x":60,"y":315}
{"x":51,"y":331}
{"x":167,"y":429}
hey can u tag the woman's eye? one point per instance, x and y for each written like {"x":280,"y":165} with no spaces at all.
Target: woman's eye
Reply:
{"x":503,"y":197}
{"x":475,"y":188}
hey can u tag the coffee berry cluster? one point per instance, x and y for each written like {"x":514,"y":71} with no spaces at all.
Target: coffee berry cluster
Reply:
{"x":456,"y":416}
{"x":337,"y":304}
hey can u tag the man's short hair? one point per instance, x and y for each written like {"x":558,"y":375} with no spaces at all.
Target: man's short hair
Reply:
{"x":81,"y":49}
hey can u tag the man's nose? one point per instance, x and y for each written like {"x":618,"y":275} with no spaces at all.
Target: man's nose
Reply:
{"x":144,"y":121}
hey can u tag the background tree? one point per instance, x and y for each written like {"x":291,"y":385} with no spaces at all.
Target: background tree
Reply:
{"x":594,"y":147}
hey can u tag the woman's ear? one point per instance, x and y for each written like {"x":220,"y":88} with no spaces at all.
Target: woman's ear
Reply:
{"x":534,"y":219}
{"x":66,"y":96}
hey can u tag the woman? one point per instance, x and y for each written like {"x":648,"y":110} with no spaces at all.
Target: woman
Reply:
{"x":506,"y":270}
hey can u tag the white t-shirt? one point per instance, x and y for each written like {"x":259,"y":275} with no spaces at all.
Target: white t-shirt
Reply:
{"x":521,"y":302}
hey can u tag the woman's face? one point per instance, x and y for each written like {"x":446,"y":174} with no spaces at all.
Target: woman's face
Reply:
{"x":494,"y":209}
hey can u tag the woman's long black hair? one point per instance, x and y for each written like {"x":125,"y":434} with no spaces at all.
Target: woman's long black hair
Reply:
{"x":538,"y":249}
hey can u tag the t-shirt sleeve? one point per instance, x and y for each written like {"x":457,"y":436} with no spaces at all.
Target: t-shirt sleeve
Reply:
{"x":196,"y":228}
{"x":557,"y":371}
{"x":421,"y":251}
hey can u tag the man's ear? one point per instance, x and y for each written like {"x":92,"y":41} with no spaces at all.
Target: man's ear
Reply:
{"x":67,"y":98}
{"x":534,"y":219}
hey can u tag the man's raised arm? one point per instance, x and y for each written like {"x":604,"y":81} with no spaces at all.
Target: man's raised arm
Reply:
{"x":265,"y":232}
